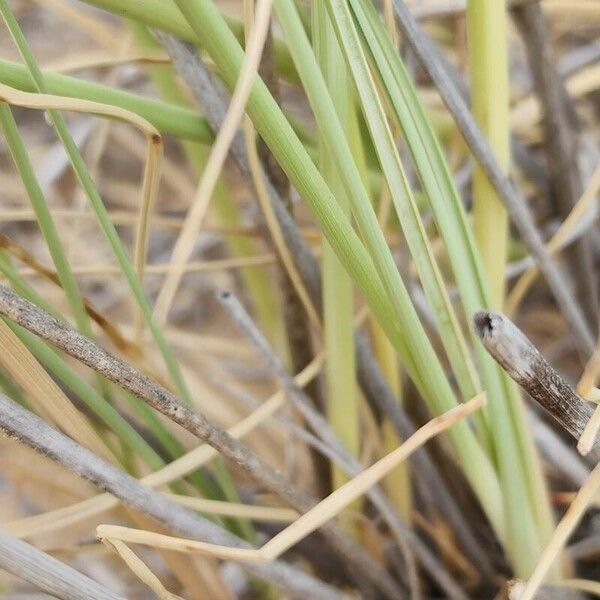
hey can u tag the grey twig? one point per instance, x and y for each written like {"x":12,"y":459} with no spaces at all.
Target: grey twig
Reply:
{"x":559,"y":454}
{"x":513,"y":200}
{"x":376,"y":388}
{"x":60,"y":334}
{"x":48,"y":574}
{"x":560,"y":142}
{"x":29,"y":429}
{"x":343,"y":458}
{"x":212,"y":98}
{"x":523,"y":362}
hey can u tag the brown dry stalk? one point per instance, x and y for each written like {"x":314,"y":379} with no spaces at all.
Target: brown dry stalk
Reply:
{"x":523,"y":362}
{"x":118,"y":371}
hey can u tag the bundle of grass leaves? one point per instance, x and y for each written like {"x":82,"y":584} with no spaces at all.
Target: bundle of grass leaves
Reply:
{"x":242,"y":248}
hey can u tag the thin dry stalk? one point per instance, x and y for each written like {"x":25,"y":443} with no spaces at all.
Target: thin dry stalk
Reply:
{"x":225,"y":136}
{"x":140,"y":569}
{"x":561,"y":534}
{"x":561,"y":142}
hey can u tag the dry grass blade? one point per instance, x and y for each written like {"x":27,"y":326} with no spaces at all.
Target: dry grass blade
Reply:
{"x":318,"y":515}
{"x":152,"y":168}
{"x":561,"y":534}
{"x":199,"y":266}
{"x":233,"y":509}
{"x":140,"y":569}
{"x":184,"y":246}
{"x":274,"y":228}
{"x":100,"y":59}
{"x":109,"y":328}
{"x":43,"y":394}
{"x":118,"y":371}
{"x":590,"y":433}
{"x":559,"y":239}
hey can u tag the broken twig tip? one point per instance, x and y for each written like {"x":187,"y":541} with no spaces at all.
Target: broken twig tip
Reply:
{"x":484,"y":322}
{"x":522,"y":361}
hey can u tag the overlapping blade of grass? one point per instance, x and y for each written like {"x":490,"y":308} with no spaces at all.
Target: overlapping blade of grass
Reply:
{"x":513,"y":450}
{"x":403,"y":199}
{"x":401,"y":322}
{"x":338,"y":292}
{"x":167,"y":117}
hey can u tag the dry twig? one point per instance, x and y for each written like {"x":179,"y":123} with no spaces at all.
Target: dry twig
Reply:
{"x":118,"y":371}
{"x":48,"y":574}
{"x":523,"y":362}
{"x":29,"y":429}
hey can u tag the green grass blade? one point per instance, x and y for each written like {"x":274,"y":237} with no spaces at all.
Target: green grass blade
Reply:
{"x":404,"y":329}
{"x":44,"y":218}
{"x":512,"y":446}
{"x":404,"y":202}
{"x":168,"y":118}
{"x":338,"y":293}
